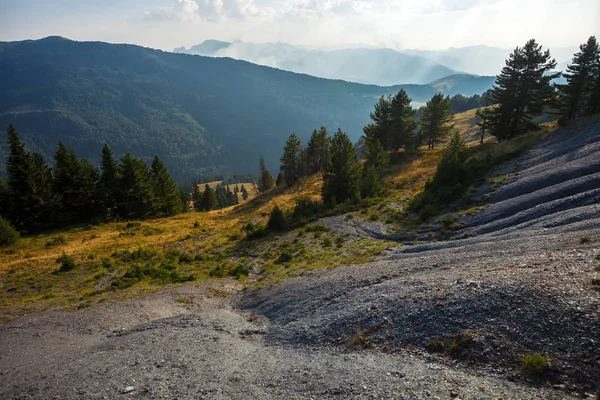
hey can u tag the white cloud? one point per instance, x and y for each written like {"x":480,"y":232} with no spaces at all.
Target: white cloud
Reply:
{"x":182,"y":10}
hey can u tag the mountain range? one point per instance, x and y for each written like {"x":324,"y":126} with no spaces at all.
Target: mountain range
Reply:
{"x":379,"y":66}
{"x":383,"y":67}
{"x":201,"y":115}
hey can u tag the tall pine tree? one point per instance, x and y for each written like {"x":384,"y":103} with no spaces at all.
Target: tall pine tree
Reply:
{"x":109,"y":180}
{"x":521,"y":92}
{"x":30,"y":199}
{"x":317,"y":151}
{"x":341,"y":177}
{"x":576,"y":95}
{"x":265,"y":179}
{"x":209,"y":199}
{"x":135,"y":196}
{"x":166,"y":196}
{"x":436,"y":120}
{"x":291,"y":161}
{"x":403,"y":121}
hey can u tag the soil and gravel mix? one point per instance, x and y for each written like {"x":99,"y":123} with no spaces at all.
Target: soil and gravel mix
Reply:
{"x":438,"y":320}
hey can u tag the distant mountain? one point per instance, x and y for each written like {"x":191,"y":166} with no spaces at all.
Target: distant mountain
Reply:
{"x":384,"y":67}
{"x":484,"y":60}
{"x":201,"y":115}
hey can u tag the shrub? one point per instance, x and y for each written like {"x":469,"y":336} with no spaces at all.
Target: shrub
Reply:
{"x":8,"y":234}
{"x":535,"y":364}
{"x":307,"y":209}
{"x":239,"y":271}
{"x":186,"y":258}
{"x":57,"y":241}
{"x":460,"y":342}
{"x":67,"y":263}
{"x":317,"y":228}
{"x":255,"y":231}
{"x":374,"y":217}
{"x":284,"y":257}
{"x":218,"y":272}
{"x":132,"y":225}
{"x":435,"y":346}
{"x":277,"y":220}
{"x":339,"y":242}
{"x":327,"y":242}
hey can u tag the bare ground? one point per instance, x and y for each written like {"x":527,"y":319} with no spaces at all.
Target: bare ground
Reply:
{"x":521,"y":283}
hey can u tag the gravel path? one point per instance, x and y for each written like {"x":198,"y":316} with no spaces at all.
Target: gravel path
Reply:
{"x":520,"y":284}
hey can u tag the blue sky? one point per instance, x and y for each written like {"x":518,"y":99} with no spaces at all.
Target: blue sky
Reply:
{"x":399,"y":24}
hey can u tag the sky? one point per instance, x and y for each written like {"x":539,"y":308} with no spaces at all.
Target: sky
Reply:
{"x":397,"y":24}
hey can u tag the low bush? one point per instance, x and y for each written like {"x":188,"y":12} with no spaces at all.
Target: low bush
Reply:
{"x":240,"y":271}
{"x":535,"y":363}
{"x":8,"y":234}
{"x":67,"y":263}
{"x":56,"y":241}
{"x":255,"y":231}
{"x":277,"y":220}
{"x":284,"y":257}
{"x":317,"y":228}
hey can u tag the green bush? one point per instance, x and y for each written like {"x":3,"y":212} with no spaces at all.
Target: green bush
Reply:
{"x":218,"y":272}
{"x":67,"y":263}
{"x":255,"y":231}
{"x":535,"y":364}
{"x":284,"y":257}
{"x":277,"y":221}
{"x":57,"y":241}
{"x":8,"y":234}
{"x":239,"y":271}
{"x":317,"y":228}
{"x":327,"y":242}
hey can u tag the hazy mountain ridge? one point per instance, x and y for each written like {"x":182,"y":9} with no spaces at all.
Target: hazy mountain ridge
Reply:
{"x":384,"y":67}
{"x":431,"y":64}
{"x":199,"y":114}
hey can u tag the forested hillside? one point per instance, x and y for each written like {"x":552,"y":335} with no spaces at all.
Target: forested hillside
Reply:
{"x":199,"y":115}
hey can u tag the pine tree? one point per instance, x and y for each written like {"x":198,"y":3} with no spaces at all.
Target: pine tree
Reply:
{"x":265,"y":179}
{"x":31,"y":201}
{"x":109,"y":179}
{"x":291,"y":160}
{"x":381,"y":127}
{"x":581,"y":77}
{"x":317,"y":151}
{"x":197,"y":197}
{"x":484,"y":125}
{"x":74,"y":181}
{"x":403,"y":121}
{"x":135,"y":197}
{"x":521,"y":91}
{"x":370,"y":184}
{"x":237,"y":189}
{"x":376,"y":156}
{"x":436,"y":117}
{"x":209,"y":199}
{"x":245,"y":194}
{"x":277,"y":221}
{"x":166,"y":196}
{"x":280,"y":181}
{"x":341,"y":177}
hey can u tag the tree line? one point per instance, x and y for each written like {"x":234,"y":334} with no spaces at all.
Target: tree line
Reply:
{"x":36,"y":196}
{"x":221,"y":196}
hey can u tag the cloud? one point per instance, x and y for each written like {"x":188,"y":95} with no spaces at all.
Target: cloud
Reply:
{"x":182,"y":10}
{"x":208,"y":10}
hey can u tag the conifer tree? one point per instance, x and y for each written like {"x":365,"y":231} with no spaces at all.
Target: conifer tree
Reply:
{"x":135,"y":199}
{"x":381,"y":127}
{"x":521,"y":91}
{"x":341,"y":177}
{"x":31,"y":201}
{"x":197,"y":197}
{"x":166,"y":196}
{"x":109,"y":179}
{"x":280,"y":179}
{"x":291,"y":160}
{"x":576,"y":95}
{"x":376,"y":156}
{"x":265,"y":179}
{"x":317,"y":151}
{"x":403,"y":121}
{"x":74,"y":181}
{"x":436,"y":117}
{"x":484,"y":125}
{"x":370,"y":184}
{"x":209,"y":199}
{"x":245,"y":194}
{"x":277,"y":221}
